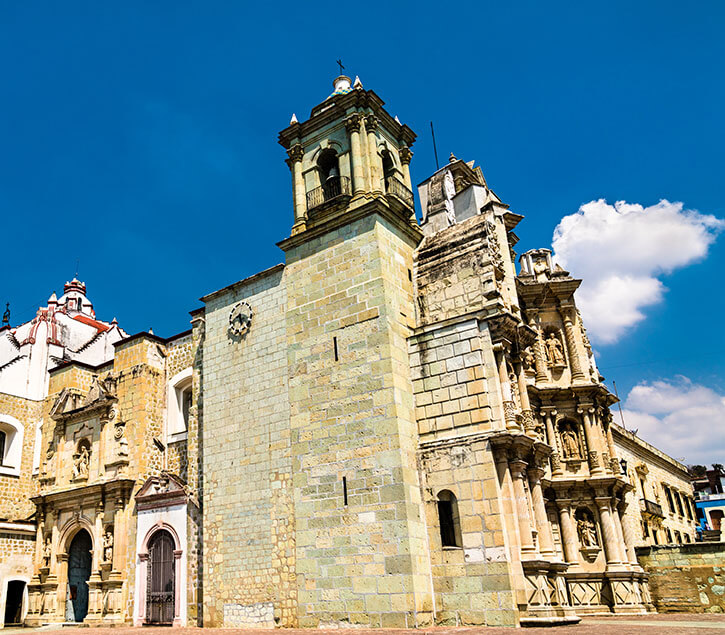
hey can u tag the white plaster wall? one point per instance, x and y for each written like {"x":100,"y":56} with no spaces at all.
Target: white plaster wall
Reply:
{"x":175,"y":517}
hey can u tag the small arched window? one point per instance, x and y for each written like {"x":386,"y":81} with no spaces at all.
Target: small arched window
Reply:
{"x":3,"y":440}
{"x":448,"y":519}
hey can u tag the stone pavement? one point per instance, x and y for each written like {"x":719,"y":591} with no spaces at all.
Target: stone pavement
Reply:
{"x":668,"y":624}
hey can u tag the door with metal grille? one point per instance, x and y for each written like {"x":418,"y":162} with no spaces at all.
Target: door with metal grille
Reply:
{"x":160,"y":584}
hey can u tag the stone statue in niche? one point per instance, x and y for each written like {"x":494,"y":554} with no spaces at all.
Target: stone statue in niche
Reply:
{"x":586,"y":528}
{"x":108,"y":546}
{"x":554,"y":351}
{"x":81,"y":462}
{"x":569,"y":441}
{"x":47,"y":551}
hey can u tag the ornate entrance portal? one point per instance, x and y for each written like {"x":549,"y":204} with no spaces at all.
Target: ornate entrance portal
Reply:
{"x":79,"y":570}
{"x":161,"y":593}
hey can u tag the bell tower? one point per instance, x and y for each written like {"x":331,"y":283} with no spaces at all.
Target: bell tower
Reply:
{"x":348,"y":153}
{"x":350,"y":310}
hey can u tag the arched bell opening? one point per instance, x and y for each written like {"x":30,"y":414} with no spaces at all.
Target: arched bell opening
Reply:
{"x":328,"y":163}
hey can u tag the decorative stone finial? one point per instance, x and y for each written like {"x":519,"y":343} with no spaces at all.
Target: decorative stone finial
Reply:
{"x":397,"y":120}
{"x":293,"y":120}
{"x":452,"y":158}
{"x":357,"y":85}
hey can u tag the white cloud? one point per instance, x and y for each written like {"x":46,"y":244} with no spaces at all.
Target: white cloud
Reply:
{"x":621,"y":250}
{"x":684,"y":419}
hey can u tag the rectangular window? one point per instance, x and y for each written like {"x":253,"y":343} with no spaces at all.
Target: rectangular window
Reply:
{"x":334,"y":346}
{"x":448,"y":530}
{"x":344,"y":489}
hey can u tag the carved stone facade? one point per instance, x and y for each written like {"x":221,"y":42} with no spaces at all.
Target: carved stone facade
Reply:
{"x":393,"y":428}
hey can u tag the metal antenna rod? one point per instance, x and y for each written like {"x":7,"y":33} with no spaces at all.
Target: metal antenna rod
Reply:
{"x":619,"y":403}
{"x":435,"y":151}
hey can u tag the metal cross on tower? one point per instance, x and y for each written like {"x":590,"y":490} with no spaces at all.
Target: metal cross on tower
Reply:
{"x":339,"y":63}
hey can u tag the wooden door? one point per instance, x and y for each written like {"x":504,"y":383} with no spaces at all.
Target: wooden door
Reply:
{"x":160,"y":584}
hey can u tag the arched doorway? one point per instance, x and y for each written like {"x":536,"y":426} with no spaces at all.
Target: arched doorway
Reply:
{"x":160,"y":585}
{"x":14,"y":602}
{"x":79,"y":570}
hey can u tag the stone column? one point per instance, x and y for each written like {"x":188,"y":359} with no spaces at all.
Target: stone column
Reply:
{"x":352,"y":124}
{"x":294,"y":162}
{"x":543,"y":526}
{"x":143,"y":576}
{"x":527,"y":415}
{"x":613,"y":458}
{"x":628,"y":532}
{"x":98,"y":538}
{"x":611,"y":547}
{"x":593,"y":450}
{"x":509,"y":408}
{"x":177,"y":588}
{"x":571,"y":347}
{"x":55,"y":547}
{"x":518,"y":474}
{"x":549,"y":416}
{"x":568,"y":533}
{"x":374,"y":160}
{"x":40,"y":540}
{"x":406,"y":154}
{"x":539,"y":357}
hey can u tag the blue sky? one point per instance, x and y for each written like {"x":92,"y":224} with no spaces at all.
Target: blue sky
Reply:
{"x":140,"y":139}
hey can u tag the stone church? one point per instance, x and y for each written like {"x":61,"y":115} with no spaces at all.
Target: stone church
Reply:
{"x":395,"y":427}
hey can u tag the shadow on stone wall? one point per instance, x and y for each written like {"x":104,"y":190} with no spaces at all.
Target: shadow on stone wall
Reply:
{"x":686,"y":578}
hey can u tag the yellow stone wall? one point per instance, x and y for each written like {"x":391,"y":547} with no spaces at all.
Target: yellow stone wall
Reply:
{"x":15,"y":491}
{"x":248,"y":515}
{"x":659,"y":471}
{"x":353,"y":418}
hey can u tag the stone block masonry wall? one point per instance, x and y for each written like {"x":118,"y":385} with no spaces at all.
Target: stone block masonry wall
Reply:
{"x":248,"y":516}
{"x":473,"y":584}
{"x":15,"y":491}
{"x":361,"y":548}
{"x":455,"y":392}
{"x":686,"y":578}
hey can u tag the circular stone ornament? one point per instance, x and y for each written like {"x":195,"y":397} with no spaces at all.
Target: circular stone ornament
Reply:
{"x":240,"y":318}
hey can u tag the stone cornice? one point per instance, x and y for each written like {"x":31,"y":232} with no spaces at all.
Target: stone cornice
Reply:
{"x":349,"y":215}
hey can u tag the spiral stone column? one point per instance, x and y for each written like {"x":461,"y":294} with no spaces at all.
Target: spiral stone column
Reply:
{"x":590,"y":436}
{"x":576,"y":370}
